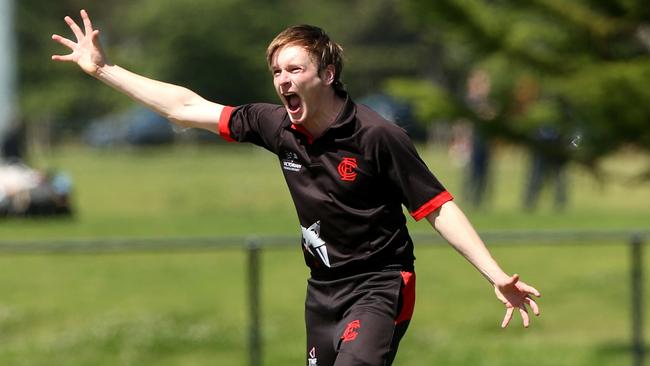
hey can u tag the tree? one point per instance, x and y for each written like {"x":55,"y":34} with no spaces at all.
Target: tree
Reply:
{"x":581,"y":67}
{"x":51,"y":93}
{"x":214,"y":47}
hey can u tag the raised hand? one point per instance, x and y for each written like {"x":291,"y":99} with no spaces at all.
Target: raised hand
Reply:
{"x":516,"y":294}
{"x":86,"y":51}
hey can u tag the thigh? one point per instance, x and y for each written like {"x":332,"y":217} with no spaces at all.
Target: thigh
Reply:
{"x":320,"y":322}
{"x":359,"y":321}
{"x":320,"y":331}
{"x":368,"y":339}
{"x":369,"y":334}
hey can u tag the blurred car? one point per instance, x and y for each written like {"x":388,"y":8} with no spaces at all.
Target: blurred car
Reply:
{"x":28,"y":192}
{"x":397,"y":112}
{"x":137,"y":126}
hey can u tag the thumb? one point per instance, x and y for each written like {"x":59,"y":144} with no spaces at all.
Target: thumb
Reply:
{"x":510,"y":282}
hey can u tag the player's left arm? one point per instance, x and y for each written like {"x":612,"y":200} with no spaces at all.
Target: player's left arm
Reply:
{"x":453,"y":226}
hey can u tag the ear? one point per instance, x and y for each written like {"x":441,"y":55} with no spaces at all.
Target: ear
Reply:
{"x":328,"y":74}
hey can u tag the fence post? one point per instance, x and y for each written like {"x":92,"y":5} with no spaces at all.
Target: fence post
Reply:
{"x":638,"y":346}
{"x":254,"y":339}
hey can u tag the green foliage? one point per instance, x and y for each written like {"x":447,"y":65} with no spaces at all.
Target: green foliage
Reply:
{"x":613,"y":99}
{"x":49,"y":91}
{"x":216,"y":48}
{"x":582,"y":66}
{"x":208,"y":46}
{"x":429,"y":100}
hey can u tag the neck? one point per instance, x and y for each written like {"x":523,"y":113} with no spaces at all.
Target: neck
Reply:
{"x":328,"y":110}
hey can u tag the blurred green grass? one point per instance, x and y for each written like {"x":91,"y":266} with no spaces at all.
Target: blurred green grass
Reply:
{"x":190,"y":308}
{"x":239,"y":190}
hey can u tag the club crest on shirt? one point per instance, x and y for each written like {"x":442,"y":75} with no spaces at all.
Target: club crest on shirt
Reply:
{"x":348,"y":169}
{"x":290,"y":161}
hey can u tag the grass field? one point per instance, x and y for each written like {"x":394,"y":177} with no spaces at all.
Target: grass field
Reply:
{"x":189,"y":308}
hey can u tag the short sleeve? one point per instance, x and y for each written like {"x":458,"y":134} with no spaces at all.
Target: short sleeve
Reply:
{"x":421,"y":192}
{"x":257,"y":123}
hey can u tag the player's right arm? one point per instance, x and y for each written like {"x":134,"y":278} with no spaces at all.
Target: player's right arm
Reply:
{"x":178,"y":104}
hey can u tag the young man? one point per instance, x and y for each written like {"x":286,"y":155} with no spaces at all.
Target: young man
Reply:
{"x":349,"y":172}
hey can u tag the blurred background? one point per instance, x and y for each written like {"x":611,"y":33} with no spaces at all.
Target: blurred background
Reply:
{"x":536,"y":115}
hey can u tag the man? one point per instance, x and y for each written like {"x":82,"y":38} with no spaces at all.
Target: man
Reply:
{"x":349,"y":172}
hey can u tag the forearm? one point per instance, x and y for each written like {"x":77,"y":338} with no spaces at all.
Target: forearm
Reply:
{"x":455,"y":228}
{"x":178,"y":104}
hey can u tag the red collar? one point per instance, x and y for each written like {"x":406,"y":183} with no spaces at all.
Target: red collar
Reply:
{"x":303,"y":130}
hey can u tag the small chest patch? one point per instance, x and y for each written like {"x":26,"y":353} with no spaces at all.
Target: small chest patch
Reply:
{"x":290,"y":162}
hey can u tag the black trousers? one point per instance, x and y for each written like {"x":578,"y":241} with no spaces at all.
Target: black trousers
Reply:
{"x":358,"y":320}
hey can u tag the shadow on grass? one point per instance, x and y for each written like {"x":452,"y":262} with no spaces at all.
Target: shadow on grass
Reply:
{"x":617,"y":350}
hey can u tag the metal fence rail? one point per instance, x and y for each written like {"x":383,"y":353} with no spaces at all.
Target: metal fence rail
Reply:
{"x":254,"y":245}
{"x":183,"y":244}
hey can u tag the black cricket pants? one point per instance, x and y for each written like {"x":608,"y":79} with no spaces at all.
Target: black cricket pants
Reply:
{"x":358,"y":320}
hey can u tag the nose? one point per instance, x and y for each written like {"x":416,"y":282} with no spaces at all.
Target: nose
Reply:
{"x":283,"y":78}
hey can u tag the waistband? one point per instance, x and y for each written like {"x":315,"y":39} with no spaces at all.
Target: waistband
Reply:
{"x":330,"y":274}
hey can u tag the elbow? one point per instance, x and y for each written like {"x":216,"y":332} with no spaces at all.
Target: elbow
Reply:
{"x":186,"y":112}
{"x":176,"y":121}
{"x":177,"y":117}
{"x":439,"y":214}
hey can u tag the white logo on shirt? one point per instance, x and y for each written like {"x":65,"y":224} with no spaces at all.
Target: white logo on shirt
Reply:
{"x":313,"y":361}
{"x":290,"y":162}
{"x":311,"y":240}
{"x":291,"y":166}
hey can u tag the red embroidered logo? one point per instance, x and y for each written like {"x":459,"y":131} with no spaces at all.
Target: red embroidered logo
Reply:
{"x":350,"y":332}
{"x":347,"y":169}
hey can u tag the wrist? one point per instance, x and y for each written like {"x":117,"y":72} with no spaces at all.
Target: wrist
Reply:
{"x":500,"y":279}
{"x":101,"y":71}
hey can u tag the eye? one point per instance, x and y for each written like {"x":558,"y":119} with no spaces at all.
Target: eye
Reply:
{"x":276,"y":72}
{"x":295,"y":70}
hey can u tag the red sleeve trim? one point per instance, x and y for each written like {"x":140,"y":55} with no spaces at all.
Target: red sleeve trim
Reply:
{"x":432,"y":205}
{"x":224,"y":123}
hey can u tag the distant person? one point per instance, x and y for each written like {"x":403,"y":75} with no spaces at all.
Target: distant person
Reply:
{"x":547,"y":167}
{"x":477,"y":179}
{"x":349,"y":172}
{"x":478,"y":172}
{"x":13,"y":145}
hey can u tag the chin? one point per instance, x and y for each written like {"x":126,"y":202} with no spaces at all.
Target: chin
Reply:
{"x":296,"y":121}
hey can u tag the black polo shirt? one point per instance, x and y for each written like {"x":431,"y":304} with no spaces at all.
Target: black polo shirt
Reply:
{"x":348,"y":185}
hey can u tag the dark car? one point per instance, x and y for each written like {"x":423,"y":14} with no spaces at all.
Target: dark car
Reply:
{"x":397,"y":112}
{"x":137,"y":126}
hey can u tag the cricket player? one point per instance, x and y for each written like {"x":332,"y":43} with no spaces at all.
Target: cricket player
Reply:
{"x":349,"y":173}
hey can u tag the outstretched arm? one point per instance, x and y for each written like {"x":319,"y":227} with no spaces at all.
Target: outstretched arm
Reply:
{"x":454,"y":226}
{"x":176,"y":103}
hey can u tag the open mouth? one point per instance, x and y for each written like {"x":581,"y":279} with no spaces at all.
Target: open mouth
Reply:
{"x":293,"y":102}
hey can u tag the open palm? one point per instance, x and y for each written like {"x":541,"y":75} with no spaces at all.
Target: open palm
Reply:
{"x":86,"y":51}
{"x":516,"y":295}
